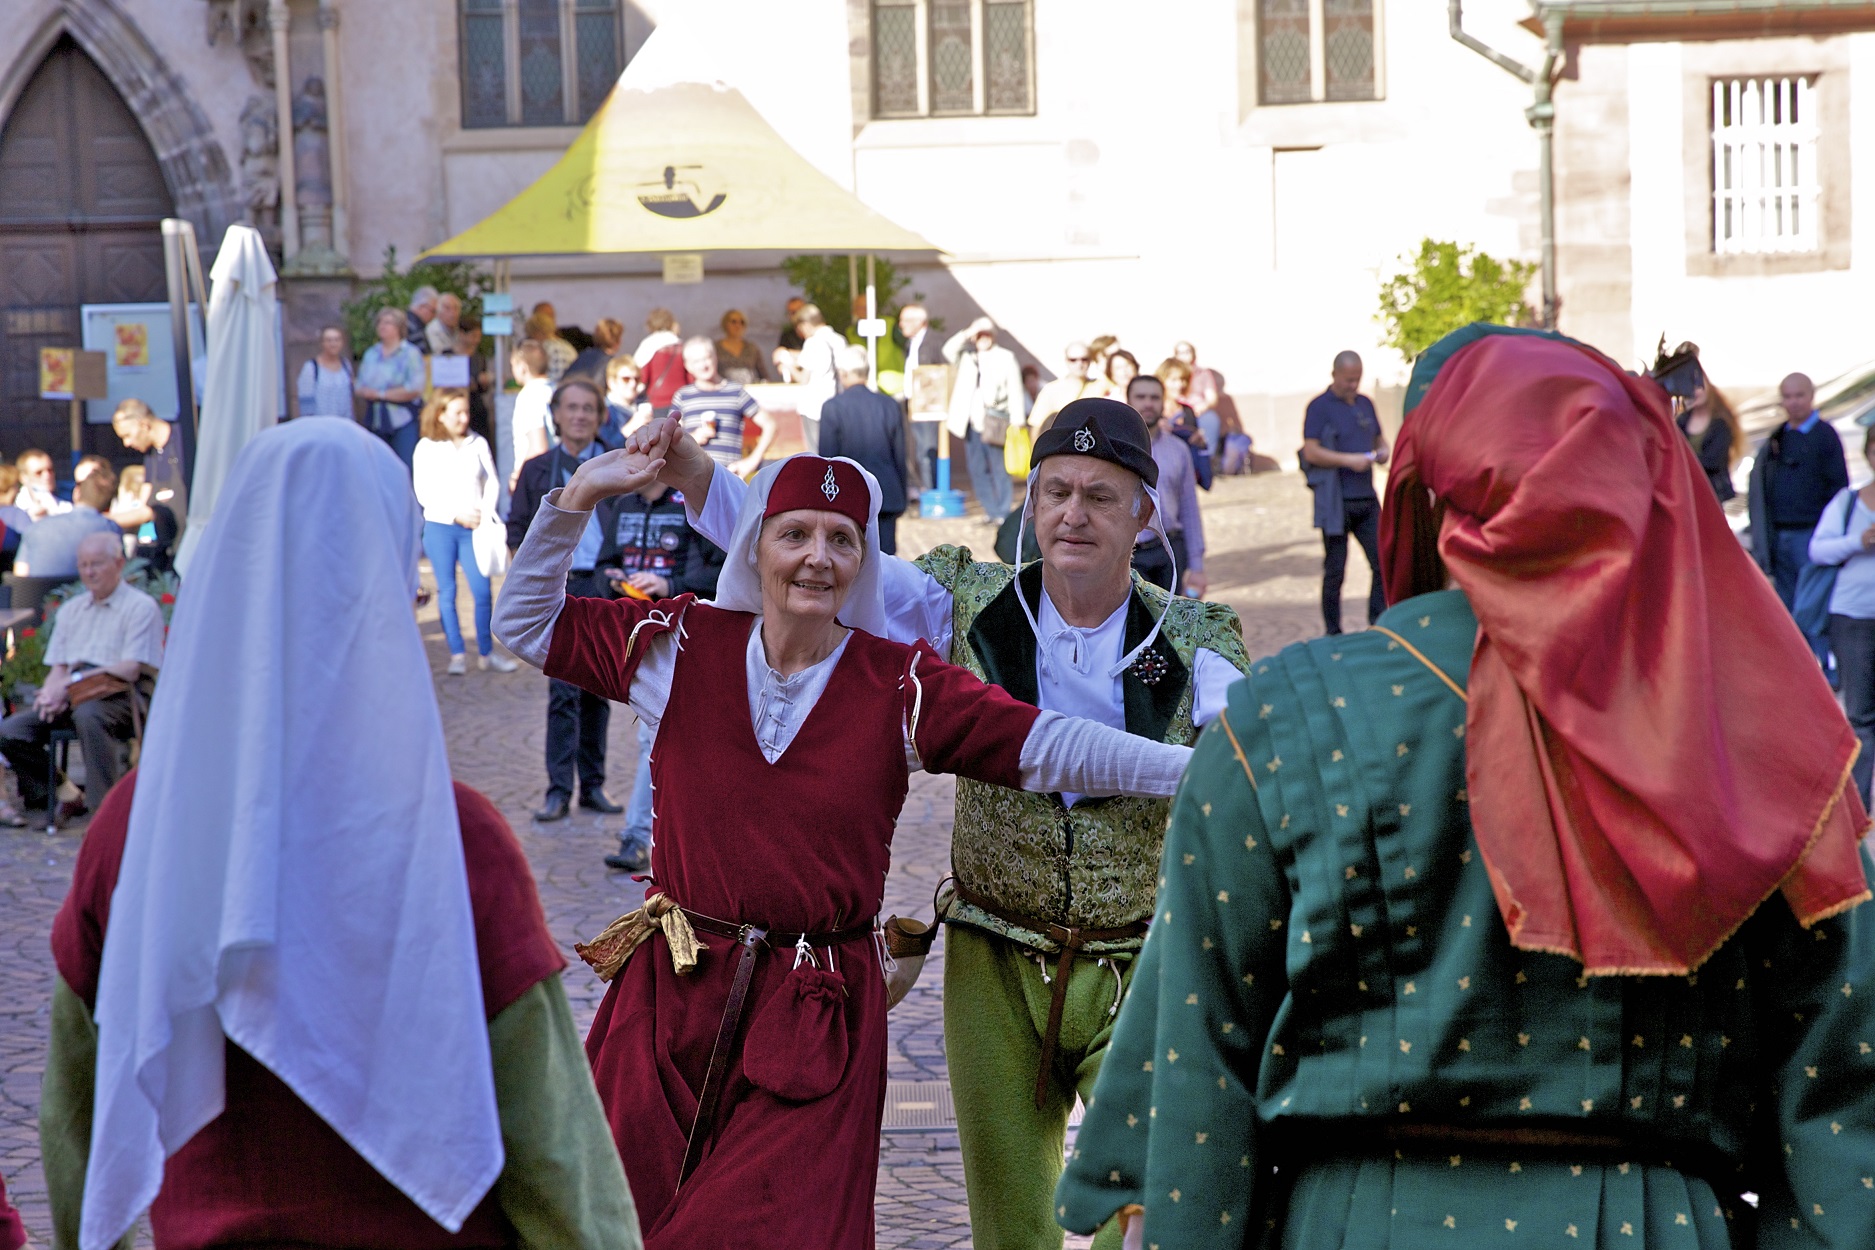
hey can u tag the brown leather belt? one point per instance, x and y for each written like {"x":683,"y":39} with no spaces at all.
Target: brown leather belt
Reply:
{"x":1070,"y":940}
{"x":748,"y":937}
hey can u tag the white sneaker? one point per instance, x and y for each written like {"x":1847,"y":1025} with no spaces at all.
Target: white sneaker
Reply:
{"x":496,"y":662}
{"x":458,"y":665}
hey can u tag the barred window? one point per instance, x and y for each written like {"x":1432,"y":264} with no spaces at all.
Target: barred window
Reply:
{"x":952,"y":58}
{"x":1310,"y":50}
{"x":538,"y":62}
{"x":1764,"y":165}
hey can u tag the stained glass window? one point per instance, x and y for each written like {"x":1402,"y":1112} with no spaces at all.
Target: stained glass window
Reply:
{"x":952,"y":86}
{"x":596,"y":38}
{"x":1283,"y":46}
{"x":1006,"y":57}
{"x":895,"y":59}
{"x":484,"y":65}
{"x":1348,"y":49}
{"x":532,"y":47}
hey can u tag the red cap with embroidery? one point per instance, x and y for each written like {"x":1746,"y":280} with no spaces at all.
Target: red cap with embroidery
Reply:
{"x":817,"y":484}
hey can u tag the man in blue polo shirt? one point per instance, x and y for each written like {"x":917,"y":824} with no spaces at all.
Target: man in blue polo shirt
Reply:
{"x":1799,"y":469}
{"x":1341,"y":444}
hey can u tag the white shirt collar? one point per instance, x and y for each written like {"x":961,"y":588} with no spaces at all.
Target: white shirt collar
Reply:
{"x":1083,"y":651}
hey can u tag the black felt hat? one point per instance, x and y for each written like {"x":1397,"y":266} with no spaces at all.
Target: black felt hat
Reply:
{"x":1105,"y":429}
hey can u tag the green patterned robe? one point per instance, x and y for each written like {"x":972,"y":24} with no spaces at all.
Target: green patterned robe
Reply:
{"x":1327,"y":948}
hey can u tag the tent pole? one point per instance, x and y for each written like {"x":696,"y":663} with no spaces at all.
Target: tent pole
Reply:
{"x":872,"y":314}
{"x":852,"y":283}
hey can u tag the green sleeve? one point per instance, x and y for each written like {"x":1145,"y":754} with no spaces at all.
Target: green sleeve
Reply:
{"x":1189,"y":1047}
{"x":562,"y":1186}
{"x":1817,"y":1008}
{"x":65,"y":1101}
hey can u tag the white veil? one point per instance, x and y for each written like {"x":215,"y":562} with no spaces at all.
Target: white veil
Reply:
{"x":293,"y":877}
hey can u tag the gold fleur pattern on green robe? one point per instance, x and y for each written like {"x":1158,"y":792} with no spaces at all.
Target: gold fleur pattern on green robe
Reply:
{"x":1380,"y":925}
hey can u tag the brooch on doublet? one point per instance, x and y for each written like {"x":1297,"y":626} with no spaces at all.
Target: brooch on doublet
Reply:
{"x":1150,"y":667}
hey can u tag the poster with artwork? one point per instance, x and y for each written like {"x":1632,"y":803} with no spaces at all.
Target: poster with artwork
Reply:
{"x":55,"y":372}
{"x":132,"y":345}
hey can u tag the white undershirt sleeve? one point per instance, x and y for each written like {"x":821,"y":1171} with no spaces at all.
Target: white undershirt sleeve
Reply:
{"x":1211,"y":680}
{"x":1065,"y":753}
{"x":535,"y":591}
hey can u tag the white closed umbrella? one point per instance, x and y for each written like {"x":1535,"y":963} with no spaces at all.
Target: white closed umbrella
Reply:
{"x":241,"y":385}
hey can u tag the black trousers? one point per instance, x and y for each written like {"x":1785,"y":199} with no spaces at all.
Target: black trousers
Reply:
{"x":1361,"y":519}
{"x":1853,"y":641}
{"x":1151,"y":562}
{"x":577,"y":721}
{"x":888,"y":532}
{"x":102,"y":725}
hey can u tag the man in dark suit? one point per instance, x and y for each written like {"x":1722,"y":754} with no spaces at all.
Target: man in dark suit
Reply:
{"x":923,"y":346}
{"x":865,"y":426}
{"x":576,"y":719}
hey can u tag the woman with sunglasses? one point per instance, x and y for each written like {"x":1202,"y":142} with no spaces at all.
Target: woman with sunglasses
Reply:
{"x":737,"y":359}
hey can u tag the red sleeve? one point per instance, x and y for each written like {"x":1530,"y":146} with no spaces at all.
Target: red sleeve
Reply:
{"x":512,"y":944}
{"x":78,"y":929}
{"x":965,"y":725}
{"x":593,"y":647}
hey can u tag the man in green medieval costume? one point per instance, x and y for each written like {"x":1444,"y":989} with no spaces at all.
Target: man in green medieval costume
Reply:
{"x":1529,"y":916}
{"x":1050,"y":895}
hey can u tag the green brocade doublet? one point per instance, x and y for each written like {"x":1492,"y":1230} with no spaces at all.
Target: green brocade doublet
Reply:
{"x":1094,"y":865}
{"x":1327,"y":949}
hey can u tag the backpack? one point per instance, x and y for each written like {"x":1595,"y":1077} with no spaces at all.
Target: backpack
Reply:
{"x":1816,"y":584}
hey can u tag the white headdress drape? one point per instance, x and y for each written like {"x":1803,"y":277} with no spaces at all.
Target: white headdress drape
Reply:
{"x":739,"y":589}
{"x":293,"y":878}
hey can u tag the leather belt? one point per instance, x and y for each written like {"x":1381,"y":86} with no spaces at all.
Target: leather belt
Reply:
{"x":1070,"y":940}
{"x":748,"y":937}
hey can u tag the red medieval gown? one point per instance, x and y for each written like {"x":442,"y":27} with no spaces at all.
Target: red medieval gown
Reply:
{"x":800,"y":845}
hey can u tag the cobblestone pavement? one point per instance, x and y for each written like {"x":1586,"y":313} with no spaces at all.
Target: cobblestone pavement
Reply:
{"x":1264,"y":560}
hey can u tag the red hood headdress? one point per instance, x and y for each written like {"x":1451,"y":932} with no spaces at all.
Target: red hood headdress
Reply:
{"x":1651,"y":748}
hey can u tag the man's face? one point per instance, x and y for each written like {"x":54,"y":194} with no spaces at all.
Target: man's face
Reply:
{"x":701,"y":362}
{"x":1345,"y":380}
{"x":134,"y":433}
{"x":1147,"y":397}
{"x":985,"y":340}
{"x":37,"y":473}
{"x":426,"y":311}
{"x":1798,"y":397}
{"x":1078,"y":359}
{"x":100,"y":566}
{"x":449,"y":308}
{"x":910,"y":321}
{"x":577,"y":415}
{"x":1084,"y":515}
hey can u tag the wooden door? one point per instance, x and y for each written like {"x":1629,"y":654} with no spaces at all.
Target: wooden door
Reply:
{"x":81,"y":203}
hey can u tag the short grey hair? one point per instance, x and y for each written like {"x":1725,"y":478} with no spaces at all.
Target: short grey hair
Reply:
{"x":700,"y":343}
{"x":853,"y":359}
{"x":422,"y":295}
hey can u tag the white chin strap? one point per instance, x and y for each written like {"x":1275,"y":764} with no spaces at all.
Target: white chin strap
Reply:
{"x":1041,"y":644}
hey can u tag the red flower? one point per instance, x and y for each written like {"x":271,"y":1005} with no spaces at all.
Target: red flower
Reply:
{"x":167,"y":598}
{"x":28,"y":633}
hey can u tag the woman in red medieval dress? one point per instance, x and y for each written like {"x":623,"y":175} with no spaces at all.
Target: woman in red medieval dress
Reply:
{"x":743,"y":1066}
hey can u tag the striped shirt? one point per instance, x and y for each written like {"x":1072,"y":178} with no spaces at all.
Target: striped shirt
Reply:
{"x":728,"y":406}
{"x":127,"y":625}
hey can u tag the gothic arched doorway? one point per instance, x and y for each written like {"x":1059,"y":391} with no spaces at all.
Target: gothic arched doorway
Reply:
{"x":81,"y":203}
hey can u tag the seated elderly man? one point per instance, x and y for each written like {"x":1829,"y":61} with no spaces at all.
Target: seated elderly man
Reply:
{"x":115,"y":629}
{"x":50,"y":548}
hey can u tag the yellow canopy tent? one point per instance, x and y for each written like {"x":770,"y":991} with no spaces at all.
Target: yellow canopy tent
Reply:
{"x":685,"y":168}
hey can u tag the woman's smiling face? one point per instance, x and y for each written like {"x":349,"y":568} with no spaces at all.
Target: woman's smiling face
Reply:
{"x":807,"y":561}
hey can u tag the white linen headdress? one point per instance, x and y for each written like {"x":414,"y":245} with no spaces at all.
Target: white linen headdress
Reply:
{"x":739,"y":588}
{"x":293,"y":877}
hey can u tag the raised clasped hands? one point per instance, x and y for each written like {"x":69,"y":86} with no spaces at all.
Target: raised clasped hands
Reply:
{"x":613,"y":473}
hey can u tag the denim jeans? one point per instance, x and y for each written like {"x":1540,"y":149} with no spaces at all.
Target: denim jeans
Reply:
{"x":1361,"y":519}
{"x":638,"y":809}
{"x":402,"y":440}
{"x":988,"y":479}
{"x":447,"y":546}
{"x":1853,"y":641}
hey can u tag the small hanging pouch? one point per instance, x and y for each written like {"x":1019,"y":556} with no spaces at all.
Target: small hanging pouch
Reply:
{"x":796,"y":1048}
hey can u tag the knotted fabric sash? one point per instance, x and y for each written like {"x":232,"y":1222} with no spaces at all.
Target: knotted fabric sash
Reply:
{"x":608,"y":952}
{"x":1651,"y":749}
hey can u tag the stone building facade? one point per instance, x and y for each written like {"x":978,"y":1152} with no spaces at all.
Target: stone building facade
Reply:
{"x":1239,"y":173}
